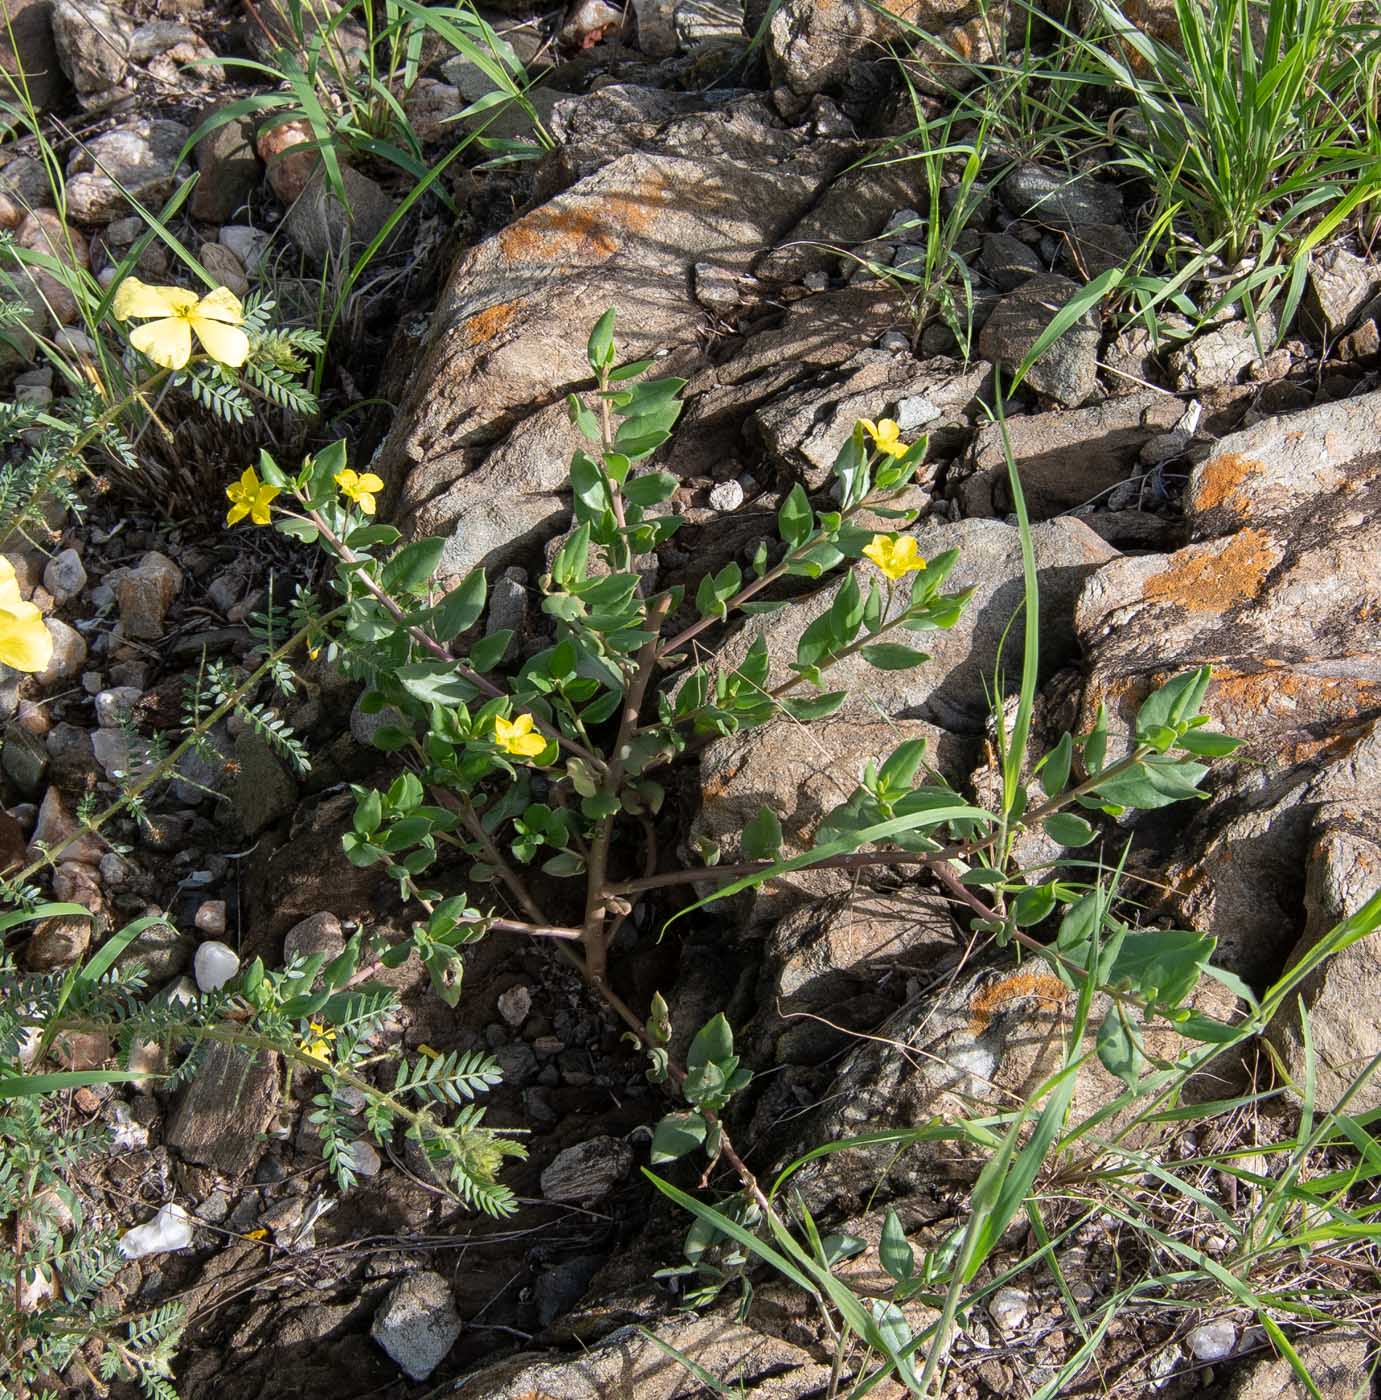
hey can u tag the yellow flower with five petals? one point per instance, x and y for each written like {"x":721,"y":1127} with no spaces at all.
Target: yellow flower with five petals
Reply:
{"x":250,"y":497}
{"x":886,"y":436}
{"x":360,"y":488}
{"x":516,"y":736}
{"x":25,"y":642}
{"x":895,"y":555}
{"x":167,"y":341}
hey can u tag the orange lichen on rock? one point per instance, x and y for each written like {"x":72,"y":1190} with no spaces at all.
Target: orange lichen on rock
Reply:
{"x":561,"y":232}
{"x":1220,"y":477}
{"x":1203,"y":581}
{"x":999,"y":996}
{"x":483,"y":326}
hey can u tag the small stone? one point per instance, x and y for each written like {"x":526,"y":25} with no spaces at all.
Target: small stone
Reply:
{"x":318,"y":933}
{"x":1068,"y":368}
{"x":264,"y":791}
{"x":1211,"y":1341}
{"x":92,"y":45}
{"x":138,"y":159}
{"x":247,"y":243}
{"x":57,"y":942}
{"x":417,"y":1324}
{"x":816,"y":281}
{"x":717,"y":289}
{"x":69,"y":653}
{"x":224,"y":267}
{"x":324,"y":228}
{"x":79,"y":1050}
{"x":290,"y":169}
{"x":728,"y":495}
{"x":145,"y":593}
{"x":214,"y":965}
{"x":55,"y":829}
{"x":587,"y":1172}
{"x":182,"y":991}
{"x":507,"y":607}
{"x":24,"y":759}
{"x":119,"y":753}
{"x":228,"y":170}
{"x":210,"y":917}
{"x":64,"y":576}
{"x":589,"y":22}
{"x":894,"y":342}
{"x":362,"y":1157}
{"x":514,"y":1005}
{"x":113,"y":707}
{"x":1008,"y":1308}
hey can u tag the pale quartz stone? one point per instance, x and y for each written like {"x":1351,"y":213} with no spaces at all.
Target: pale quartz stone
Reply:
{"x":215,"y":965}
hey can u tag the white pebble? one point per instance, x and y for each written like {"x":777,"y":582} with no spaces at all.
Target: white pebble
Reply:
{"x":170,"y":1229}
{"x":728,"y":495}
{"x":1008,"y":1308}
{"x":1211,"y":1341}
{"x":215,"y":965}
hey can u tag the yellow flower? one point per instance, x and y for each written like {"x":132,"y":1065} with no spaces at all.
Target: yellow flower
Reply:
{"x":886,"y":435}
{"x":216,"y":319}
{"x":317,"y":1042}
{"x":895,"y":555}
{"x":250,"y":497}
{"x":516,"y":737}
{"x":25,"y":643}
{"x":360,"y":488}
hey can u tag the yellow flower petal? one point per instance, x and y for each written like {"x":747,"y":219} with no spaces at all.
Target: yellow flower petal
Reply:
{"x":236,"y":513}
{"x":895,"y":556}
{"x":136,"y":298}
{"x":259,"y":510}
{"x":228,"y":344}
{"x":25,"y":642}
{"x":370,"y":482}
{"x":168,"y":343}
{"x":9,"y":585}
{"x":221,"y":305}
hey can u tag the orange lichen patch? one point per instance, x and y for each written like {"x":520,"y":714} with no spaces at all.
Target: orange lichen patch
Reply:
{"x":1020,"y":986}
{"x":587,"y":233}
{"x":1203,"y":581}
{"x":1220,"y":478}
{"x":484,"y":325}
{"x":718,"y":786}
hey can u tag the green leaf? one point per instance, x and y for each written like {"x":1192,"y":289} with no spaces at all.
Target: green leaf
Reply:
{"x":1162,"y":966}
{"x":487,"y":653}
{"x":1032,"y":905}
{"x":894,"y":1251}
{"x":584,"y":420}
{"x":1176,"y":702}
{"x":600,"y":348}
{"x":677,"y":1135}
{"x":369,"y":812}
{"x":302,"y":530}
{"x":366,"y":536}
{"x":1055,"y":767}
{"x":650,"y":489}
{"x":411,"y":569}
{"x":1068,"y":829}
{"x":891,"y":656}
{"x":1118,"y":1050}
{"x":713,"y":1043}
{"x":762,"y":837}
{"x":461,"y":607}
{"x":795,"y":519}
{"x":434,"y":683}
{"x":819,"y":707}
{"x":1207,"y":744}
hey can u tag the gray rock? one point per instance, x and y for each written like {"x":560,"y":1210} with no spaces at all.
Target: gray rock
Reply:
{"x":363,"y":727}
{"x":1065,"y":460}
{"x":324,"y":228}
{"x":318,"y":933}
{"x":140,"y":156}
{"x":806,"y":428}
{"x":120,"y":754}
{"x":27,"y":46}
{"x":801,"y":772}
{"x":161,"y":950}
{"x":224,"y":1109}
{"x":417,"y":1324}
{"x":25,"y":760}
{"x":248,"y":244}
{"x":145,"y":593}
{"x":626,"y":1363}
{"x":511,"y":326}
{"x":93,"y":42}
{"x":264,"y":790}
{"x":1338,"y":1362}
{"x":69,"y":653}
{"x":113,"y":707}
{"x":1068,"y":370}
{"x":949,"y":689}
{"x":1058,"y":198}
{"x":57,"y":942}
{"x":64,"y":575}
{"x":813,"y":46}
{"x":55,"y":832}
{"x":71,"y":755}
{"x":1008,"y":261}
{"x":1220,"y":356}
{"x":728,"y":495}
{"x":1340,"y":285}
{"x":657,"y":36}
{"x":587,"y":1172}
{"x":507,"y":606}
{"x":228,"y":169}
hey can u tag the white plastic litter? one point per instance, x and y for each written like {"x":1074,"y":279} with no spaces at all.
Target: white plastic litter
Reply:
{"x":215,"y":965}
{"x":170,"y":1229}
